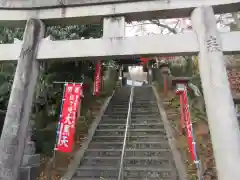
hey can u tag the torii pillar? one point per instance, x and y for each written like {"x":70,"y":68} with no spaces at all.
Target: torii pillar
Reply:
{"x":15,"y":129}
{"x":220,"y":109}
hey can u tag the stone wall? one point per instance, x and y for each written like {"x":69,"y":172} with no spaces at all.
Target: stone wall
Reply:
{"x":233,"y":69}
{"x":234,"y":80}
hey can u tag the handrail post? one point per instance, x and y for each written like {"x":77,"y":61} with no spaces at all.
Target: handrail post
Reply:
{"x":126,"y":132}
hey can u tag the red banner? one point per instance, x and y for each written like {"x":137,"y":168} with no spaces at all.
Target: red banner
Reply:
{"x":182,"y":118}
{"x":144,"y":60}
{"x":71,"y":103}
{"x":188,"y":124}
{"x":97,"y":79}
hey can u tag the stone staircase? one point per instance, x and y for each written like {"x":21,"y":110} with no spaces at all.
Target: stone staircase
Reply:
{"x":147,"y":154}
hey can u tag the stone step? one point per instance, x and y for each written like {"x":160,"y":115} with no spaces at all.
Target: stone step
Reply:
{"x":133,"y":116}
{"x":149,"y":116}
{"x":129,"y":152}
{"x":129,"y":172}
{"x":144,"y":101}
{"x":136,"y":161}
{"x":133,"y":132}
{"x":149,"y":171}
{"x":90,"y":178}
{"x":145,"y":110}
{"x":115,"y":114}
{"x":130,"y":145}
{"x":148,"y":145}
{"x":135,"y":103}
{"x":121,"y":107}
{"x":148,"y":154}
{"x":133,"y":121}
{"x":135,"y":99}
{"x":134,"y":110}
{"x":147,"y":105}
{"x":97,"y":172}
{"x":86,"y":178}
{"x":150,"y":138}
{"x":132,"y":126}
{"x":148,"y":108}
{"x":140,"y":113}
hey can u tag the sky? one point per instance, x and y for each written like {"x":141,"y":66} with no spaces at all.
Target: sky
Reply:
{"x":137,"y":29}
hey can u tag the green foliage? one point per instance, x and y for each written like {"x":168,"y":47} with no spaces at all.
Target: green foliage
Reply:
{"x":7,"y":35}
{"x":75,"y":31}
{"x":48,"y":95}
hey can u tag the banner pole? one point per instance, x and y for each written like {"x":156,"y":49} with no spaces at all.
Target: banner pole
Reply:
{"x":59,"y":118}
{"x":54,"y":150}
{"x":196,"y":160}
{"x":185,"y":113}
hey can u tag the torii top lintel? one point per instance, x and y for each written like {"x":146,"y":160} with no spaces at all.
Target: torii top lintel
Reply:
{"x":59,"y":3}
{"x":18,"y":4}
{"x":93,"y":11}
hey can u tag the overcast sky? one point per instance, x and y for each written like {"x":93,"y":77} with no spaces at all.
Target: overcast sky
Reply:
{"x":136,"y":29}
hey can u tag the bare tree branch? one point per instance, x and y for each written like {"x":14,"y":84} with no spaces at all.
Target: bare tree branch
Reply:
{"x":157,"y":22}
{"x":236,"y":19}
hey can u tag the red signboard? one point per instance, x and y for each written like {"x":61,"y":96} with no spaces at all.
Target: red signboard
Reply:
{"x":97,"y":79}
{"x":66,"y":132}
{"x":182,"y":120}
{"x":188,"y":124}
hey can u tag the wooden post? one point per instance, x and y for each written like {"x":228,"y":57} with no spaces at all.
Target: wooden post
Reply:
{"x":221,"y":114}
{"x":20,"y":103}
{"x":150,"y":74}
{"x":165,"y":79}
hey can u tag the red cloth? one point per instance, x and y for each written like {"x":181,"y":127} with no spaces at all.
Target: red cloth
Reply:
{"x":144,"y":60}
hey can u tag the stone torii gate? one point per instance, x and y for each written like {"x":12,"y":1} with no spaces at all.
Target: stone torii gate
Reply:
{"x":205,"y":40}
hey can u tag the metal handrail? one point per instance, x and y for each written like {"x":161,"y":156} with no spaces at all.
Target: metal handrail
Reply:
{"x":126,"y":133}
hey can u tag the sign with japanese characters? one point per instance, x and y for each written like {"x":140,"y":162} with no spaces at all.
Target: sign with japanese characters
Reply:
{"x":185,"y":117}
{"x":71,"y":101}
{"x":188,"y":124}
{"x":97,"y":79}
